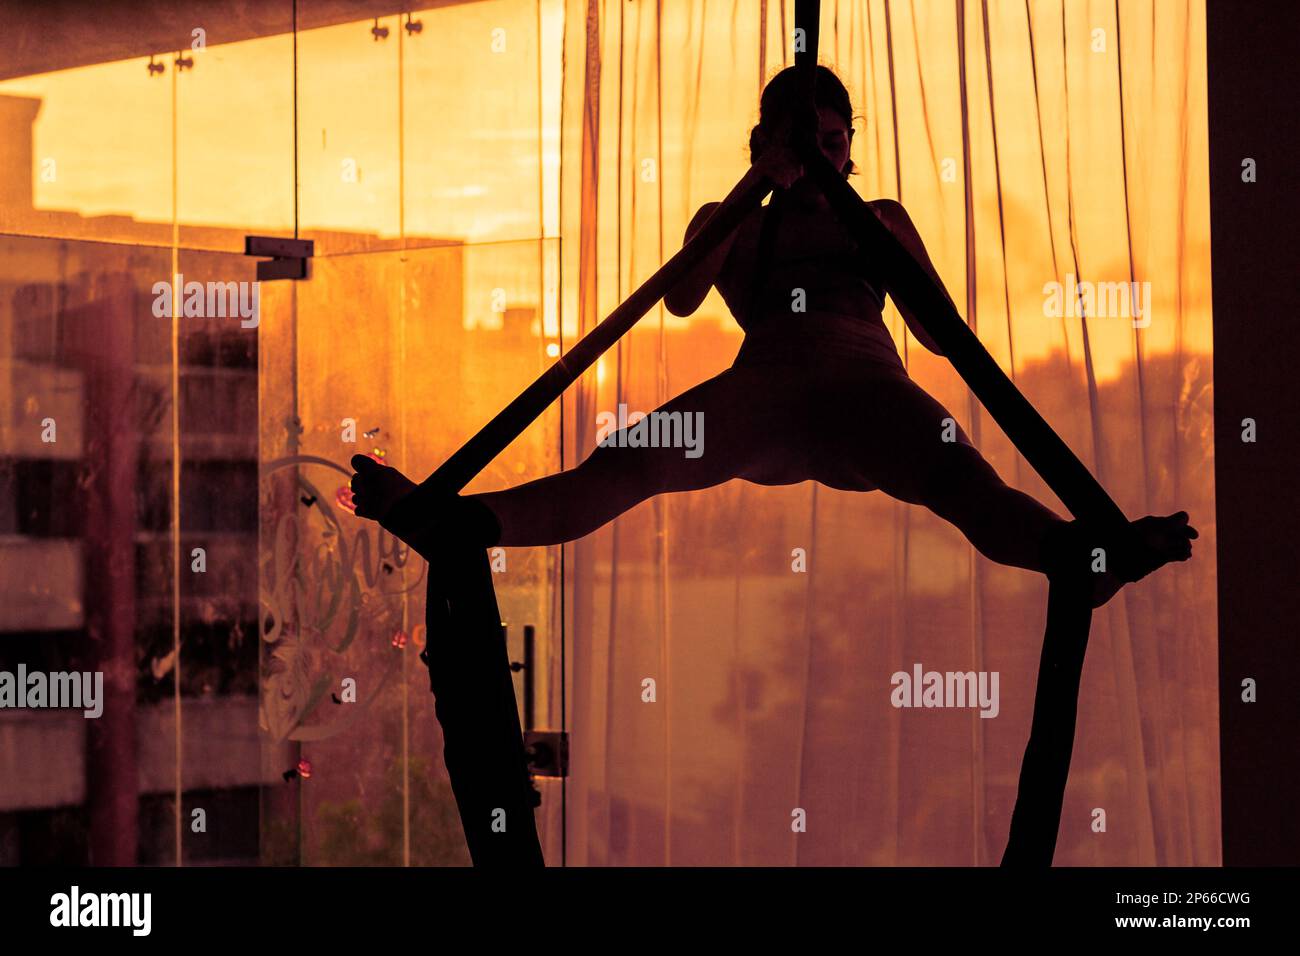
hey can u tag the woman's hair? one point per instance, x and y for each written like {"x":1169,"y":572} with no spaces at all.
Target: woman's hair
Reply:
{"x":782,"y":92}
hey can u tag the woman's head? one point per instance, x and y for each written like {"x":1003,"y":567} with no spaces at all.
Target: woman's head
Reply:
{"x":834,"y":114}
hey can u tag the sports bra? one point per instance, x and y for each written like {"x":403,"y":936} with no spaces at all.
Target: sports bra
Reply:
{"x":766,"y":263}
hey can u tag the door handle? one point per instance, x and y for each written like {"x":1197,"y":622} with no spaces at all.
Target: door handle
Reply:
{"x":547,"y":750}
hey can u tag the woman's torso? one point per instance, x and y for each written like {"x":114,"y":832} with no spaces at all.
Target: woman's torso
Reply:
{"x":813,"y":264}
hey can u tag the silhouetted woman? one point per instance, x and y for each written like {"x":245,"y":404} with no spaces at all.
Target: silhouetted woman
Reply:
{"x":819,"y":394}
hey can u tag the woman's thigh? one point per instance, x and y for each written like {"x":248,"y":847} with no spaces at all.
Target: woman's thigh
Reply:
{"x":743,"y":423}
{"x":887,"y":433}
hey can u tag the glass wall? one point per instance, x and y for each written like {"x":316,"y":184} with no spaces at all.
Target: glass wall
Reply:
{"x":177,"y":467}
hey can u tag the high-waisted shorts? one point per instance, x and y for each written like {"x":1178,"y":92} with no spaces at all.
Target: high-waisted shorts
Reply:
{"x":822,"y":342}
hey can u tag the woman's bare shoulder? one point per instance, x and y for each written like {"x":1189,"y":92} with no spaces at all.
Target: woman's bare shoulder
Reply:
{"x":704,"y":212}
{"x":701,"y":217}
{"x":887,"y":207}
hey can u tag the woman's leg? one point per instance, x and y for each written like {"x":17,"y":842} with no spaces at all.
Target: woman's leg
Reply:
{"x":901,"y":448}
{"x":1004,"y":524}
{"x":908,"y":445}
{"x":745,"y":423}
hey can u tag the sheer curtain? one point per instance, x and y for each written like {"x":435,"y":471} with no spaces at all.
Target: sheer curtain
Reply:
{"x":1032,"y":143}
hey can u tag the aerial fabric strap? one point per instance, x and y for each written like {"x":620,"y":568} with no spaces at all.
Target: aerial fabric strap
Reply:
{"x":465,"y":652}
{"x":474,"y":701}
{"x":1036,"y":817}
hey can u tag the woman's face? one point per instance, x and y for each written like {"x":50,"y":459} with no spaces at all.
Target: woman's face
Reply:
{"x":834,"y":136}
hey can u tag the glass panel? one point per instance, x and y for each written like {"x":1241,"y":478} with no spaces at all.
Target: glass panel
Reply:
{"x":234,"y":121}
{"x":85,"y":464}
{"x":87,"y":152}
{"x":221,"y":764}
{"x":348,"y":150}
{"x":346,"y":369}
{"x":476,"y":105}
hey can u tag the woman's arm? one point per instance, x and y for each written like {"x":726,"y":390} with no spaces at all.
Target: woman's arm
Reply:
{"x":685,"y":297}
{"x":778,"y":166}
{"x":896,"y":219}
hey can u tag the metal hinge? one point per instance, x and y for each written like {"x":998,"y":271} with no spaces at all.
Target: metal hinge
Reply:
{"x":288,"y":256}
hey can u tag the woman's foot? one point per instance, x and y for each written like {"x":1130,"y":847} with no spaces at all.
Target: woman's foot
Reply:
{"x":425,"y":522}
{"x":377,"y":487}
{"x":1110,"y":560}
